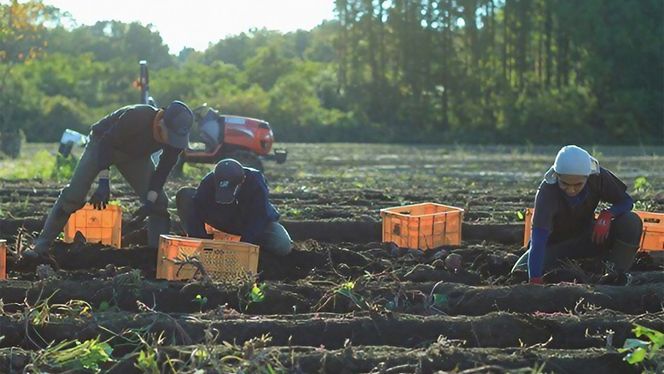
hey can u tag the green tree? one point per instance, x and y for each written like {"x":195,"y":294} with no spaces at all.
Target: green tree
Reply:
{"x":21,"y":41}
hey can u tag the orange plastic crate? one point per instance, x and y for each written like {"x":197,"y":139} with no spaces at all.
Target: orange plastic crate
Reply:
{"x":98,"y":226}
{"x":220,"y":235}
{"x":652,"y":238}
{"x":528,"y":221}
{"x":222,"y":260}
{"x":422,"y":226}
{"x":3,"y":259}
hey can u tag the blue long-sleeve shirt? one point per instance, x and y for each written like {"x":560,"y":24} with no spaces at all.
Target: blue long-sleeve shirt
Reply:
{"x":247,"y":216}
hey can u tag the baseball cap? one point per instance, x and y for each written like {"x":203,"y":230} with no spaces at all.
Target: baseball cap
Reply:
{"x":228,"y":176}
{"x":178,"y":119}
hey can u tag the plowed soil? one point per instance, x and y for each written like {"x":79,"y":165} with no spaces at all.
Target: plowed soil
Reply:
{"x":343,"y":301}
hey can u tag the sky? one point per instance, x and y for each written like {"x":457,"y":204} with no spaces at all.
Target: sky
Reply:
{"x":196,"y":23}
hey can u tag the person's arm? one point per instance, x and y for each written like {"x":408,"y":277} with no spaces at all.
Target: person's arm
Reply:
{"x":538,"y":239}
{"x":202,"y":200}
{"x":614,"y":191}
{"x":623,"y":206}
{"x":196,"y":226}
{"x":545,"y":209}
{"x":255,"y":214}
{"x":167,"y":160}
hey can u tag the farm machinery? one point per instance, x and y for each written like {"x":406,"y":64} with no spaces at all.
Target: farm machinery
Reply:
{"x":214,"y":136}
{"x":217,"y":136}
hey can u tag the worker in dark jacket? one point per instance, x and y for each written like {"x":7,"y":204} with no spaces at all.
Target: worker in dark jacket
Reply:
{"x":564,"y":224}
{"x":233,"y":199}
{"x":125,"y":138}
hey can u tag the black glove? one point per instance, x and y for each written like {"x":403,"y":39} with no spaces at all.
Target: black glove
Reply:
{"x":102,"y":194}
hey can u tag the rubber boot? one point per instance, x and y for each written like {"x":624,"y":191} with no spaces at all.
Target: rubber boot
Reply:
{"x":54,"y":224}
{"x":620,"y":258}
{"x":621,"y":255}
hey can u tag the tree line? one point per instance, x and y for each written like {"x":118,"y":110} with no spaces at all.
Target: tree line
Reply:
{"x":508,"y":71}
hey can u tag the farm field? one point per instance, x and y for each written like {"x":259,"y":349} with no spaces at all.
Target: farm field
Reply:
{"x":342,"y":302}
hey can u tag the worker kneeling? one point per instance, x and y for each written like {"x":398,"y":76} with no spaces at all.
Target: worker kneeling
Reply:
{"x":564,"y":224}
{"x":233,"y":199}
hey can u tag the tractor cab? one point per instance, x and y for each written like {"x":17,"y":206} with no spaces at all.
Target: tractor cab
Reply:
{"x":216,"y":136}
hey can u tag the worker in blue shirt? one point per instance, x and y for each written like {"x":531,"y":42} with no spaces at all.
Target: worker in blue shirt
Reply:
{"x":233,"y":199}
{"x":564,"y":224}
{"x":125,"y":138}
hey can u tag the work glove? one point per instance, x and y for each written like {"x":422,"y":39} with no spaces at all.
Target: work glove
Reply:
{"x":602,"y":226}
{"x":536,"y":280}
{"x":149,"y":209}
{"x":102,"y":194}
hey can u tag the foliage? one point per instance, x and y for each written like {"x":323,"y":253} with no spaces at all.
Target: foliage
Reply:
{"x":256,"y":295}
{"x":42,"y":165}
{"x":643,"y":351}
{"x":39,"y":166}
{"x":21,"y":42}
{"x":537,"y":71}
{"x":64,"y":167}
{"x":641,"y":184}
{"x":201,"y":301}
{"x":146,"y":361}
{"x":90,"y":355}
{"x":347,"y":289}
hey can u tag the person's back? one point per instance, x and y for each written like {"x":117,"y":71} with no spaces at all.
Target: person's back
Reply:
{"x":125,"y":138}
{"x":235,"y":200}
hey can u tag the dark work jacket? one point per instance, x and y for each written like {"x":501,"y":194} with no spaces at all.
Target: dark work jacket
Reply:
{"x":129,"y":130}
{"x":247,"y":216}
{"x":556,"y":215}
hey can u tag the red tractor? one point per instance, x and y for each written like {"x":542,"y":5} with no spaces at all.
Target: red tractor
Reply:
{"x":217,"y":136}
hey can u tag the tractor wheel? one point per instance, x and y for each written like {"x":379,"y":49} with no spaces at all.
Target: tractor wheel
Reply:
{"x":247,"y":159}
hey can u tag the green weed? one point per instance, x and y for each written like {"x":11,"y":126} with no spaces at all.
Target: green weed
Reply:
{"x":641,"y":184}
{"x":63,"y":168}
{"x":42,"y":165}
{"x":643,"y":351}
{"x":146,"y":361}
{"x":201,"y":301}
{"x":74,"y":355}
{"x":347,"y":289}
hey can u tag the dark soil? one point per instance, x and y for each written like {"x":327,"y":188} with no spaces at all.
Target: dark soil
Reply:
{"x":342,"y":302}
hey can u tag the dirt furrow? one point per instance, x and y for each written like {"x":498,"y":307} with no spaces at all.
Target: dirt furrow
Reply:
{"x":437,"y":358}
{"x":302,"y":296}
{"x":498,"y":329}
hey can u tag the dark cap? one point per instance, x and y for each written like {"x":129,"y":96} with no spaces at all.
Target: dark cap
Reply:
{"x":228,"y":176}
{"x":178,"y":119}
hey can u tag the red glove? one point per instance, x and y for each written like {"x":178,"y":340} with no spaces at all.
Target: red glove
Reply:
{"x":536,"y":280}
{"x":602,"y":226}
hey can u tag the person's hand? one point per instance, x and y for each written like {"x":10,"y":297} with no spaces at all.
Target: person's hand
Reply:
{"x":102,"y":194}
{"x":602,"y":226}
{"x":148,"y":209}
{"x":536,"y":280}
